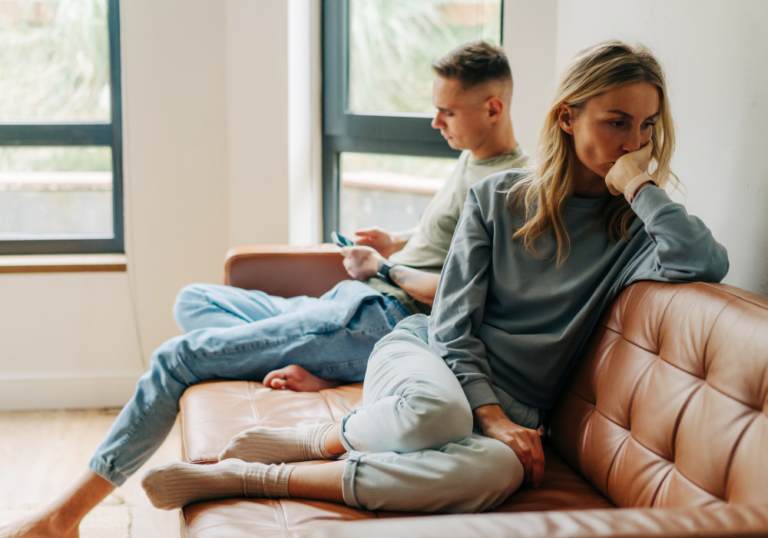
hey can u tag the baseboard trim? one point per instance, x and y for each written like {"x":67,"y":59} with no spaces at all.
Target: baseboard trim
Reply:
{"x":64,"y":390}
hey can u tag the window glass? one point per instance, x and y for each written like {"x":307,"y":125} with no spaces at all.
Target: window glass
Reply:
{"x":54,"y":60}
{"x":55,"y":192}
{"x":392,"y":43}
{"x":390,"y":191}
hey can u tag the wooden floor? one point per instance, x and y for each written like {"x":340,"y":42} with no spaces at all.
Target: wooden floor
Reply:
{"x":43,"y":452}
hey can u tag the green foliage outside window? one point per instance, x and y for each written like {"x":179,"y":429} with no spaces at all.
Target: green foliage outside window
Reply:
{"x":392,"y":43}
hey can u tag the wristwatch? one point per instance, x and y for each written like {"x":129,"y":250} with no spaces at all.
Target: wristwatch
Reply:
{"x":384,"y":267}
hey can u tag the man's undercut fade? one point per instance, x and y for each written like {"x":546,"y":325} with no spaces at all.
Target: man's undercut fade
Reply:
{"x":473,"y":64}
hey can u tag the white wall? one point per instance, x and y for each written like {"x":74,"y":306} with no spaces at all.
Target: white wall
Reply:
{"x":67,"y":339}
{"x":714,"y":53}
{"x":257,"y":116}
{"x":530,"y":39}
{"x":304,"y":122}
{"x":175,"y":139}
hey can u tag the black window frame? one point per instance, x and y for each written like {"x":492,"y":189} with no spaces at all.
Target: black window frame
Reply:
{"x":365,"y":132}
{"x":91,"y":133}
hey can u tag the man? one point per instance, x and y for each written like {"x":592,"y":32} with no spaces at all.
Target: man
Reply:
{"x":304,"y":343}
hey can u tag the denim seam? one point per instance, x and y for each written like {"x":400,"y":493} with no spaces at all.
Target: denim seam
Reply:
{"x":273,"y":343}
{"x":401,"y":308}
{"x":136,"y":425}
{"x":340,"y":366}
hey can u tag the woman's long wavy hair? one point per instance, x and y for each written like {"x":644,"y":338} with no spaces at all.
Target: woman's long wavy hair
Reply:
{"x":539,"y":198}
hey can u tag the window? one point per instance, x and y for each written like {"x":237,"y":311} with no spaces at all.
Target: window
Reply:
{"x":382,"y":161}
{"x":60,"y":127}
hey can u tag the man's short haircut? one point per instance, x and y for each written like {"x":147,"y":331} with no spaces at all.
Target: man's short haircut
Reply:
{"x":474,"y":63}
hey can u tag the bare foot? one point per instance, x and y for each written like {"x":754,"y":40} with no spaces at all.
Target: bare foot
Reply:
{"x":297,"y":379}
{"x":38,"y":526}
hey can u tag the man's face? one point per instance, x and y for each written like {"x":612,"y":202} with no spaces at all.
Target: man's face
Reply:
{"x":462,"y":116}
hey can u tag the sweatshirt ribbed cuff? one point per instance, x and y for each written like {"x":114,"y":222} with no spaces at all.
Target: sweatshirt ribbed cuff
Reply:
{"x":480,"y":393}
{"x":649,"y":200}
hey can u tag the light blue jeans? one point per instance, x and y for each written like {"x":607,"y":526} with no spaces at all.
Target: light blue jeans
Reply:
{"x":237,"y":334}
{"x":412,"y":445}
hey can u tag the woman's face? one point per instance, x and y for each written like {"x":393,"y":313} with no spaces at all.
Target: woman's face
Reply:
{"x":610,"y":125}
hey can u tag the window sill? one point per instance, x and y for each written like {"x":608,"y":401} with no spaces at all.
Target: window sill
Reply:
{"x":63,"y":263}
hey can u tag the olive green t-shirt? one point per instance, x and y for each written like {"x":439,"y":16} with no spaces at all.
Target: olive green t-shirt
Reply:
{"x":428,"y":247}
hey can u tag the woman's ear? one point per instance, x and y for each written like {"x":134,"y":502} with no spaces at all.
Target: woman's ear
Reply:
{"x":565,"y":117}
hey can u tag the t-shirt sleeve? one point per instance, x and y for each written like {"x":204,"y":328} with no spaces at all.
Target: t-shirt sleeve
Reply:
{"x":459,"y":303}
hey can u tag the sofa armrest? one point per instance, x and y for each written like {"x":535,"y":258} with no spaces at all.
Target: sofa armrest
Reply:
{"x":728,"y":521}
{"x":286,"y":271}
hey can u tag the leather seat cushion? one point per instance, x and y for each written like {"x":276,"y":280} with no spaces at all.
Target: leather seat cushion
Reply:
{"x":212,"y":413}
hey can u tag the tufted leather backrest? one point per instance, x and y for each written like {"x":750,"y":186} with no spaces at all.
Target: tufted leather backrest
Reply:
{"x":668,"y":405}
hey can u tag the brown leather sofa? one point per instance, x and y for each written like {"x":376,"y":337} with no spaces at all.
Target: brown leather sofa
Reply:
{"x":662,"y":429}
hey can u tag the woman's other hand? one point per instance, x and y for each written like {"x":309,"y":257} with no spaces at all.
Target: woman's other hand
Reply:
{"x":361,"y":263}
{"x":627,"y":168}
{"x":525,"y":443}
{"x":384,"y":242}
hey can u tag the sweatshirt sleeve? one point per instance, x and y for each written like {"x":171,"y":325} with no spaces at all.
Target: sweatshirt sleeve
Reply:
{"x":459,"y":303}
{"x":682,"y":249}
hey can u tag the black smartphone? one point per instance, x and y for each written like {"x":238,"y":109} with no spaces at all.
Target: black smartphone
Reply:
{"x":341,"y":240}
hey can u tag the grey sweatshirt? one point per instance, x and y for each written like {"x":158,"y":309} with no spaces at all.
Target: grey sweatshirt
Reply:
{"x":506,"y":321}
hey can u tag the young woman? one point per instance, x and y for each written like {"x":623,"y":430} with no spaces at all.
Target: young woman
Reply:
{"x":535,"y":258}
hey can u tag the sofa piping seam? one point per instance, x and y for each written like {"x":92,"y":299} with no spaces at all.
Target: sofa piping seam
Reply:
{"x":613,"y":460}
{"x":735,"y":297}
{"x":663,"y":317}
{"x":709,"y":336}
{"x":732,"y":455}
{"x":661,"y":483}
{"x":680,"y":418}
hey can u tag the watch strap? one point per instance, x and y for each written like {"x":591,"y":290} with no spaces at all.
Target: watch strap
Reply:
{"x":384,"y":267}
{"x":631,"y":189}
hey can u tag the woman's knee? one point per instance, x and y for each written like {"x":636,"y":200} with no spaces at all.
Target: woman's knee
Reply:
{"x":421,"y":394}
{"x":433,"y":418}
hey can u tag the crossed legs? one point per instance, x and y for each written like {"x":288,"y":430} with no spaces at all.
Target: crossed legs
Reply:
{"x":411,"y":446}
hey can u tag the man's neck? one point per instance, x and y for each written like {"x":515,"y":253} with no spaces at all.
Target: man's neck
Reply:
{"x":501,"y":141}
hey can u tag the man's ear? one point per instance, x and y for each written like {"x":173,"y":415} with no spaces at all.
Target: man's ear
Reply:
{"x":565,"y":117}
{"x":495,"y":108}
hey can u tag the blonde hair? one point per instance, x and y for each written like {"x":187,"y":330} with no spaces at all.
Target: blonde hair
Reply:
{"x":539,"y":198}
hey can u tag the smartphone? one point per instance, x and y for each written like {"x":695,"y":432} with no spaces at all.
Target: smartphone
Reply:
{"x":341,"y":240}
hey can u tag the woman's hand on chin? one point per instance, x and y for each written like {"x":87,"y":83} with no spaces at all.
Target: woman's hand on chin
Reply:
{"x":525,"y":443}
{"x":627,"y":168}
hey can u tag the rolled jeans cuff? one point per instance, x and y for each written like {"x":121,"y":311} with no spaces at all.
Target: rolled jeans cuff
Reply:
{"x":348,"y":480}
{"x":107,"y":472}
{"x":342,"y":437}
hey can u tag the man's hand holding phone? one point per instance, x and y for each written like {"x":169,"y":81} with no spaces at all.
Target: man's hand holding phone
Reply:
{"x":384,"y":242}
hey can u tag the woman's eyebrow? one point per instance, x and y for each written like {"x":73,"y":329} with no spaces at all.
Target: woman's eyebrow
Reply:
{"x":630,"y":116}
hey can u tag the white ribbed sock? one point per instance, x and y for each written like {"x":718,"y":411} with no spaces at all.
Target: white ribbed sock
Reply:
{"x":277,"y":445}
{"x":178,"y":484}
